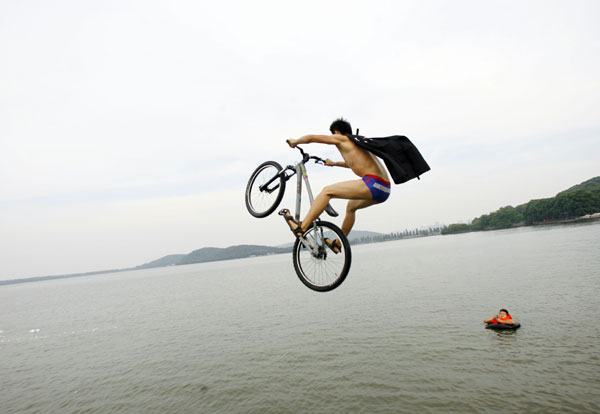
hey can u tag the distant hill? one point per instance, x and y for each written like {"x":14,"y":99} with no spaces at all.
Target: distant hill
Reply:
{"x":207,"y":254}
{"x":211,"y":254}
{"x":568,"y":205}
{"x":169,"y":260}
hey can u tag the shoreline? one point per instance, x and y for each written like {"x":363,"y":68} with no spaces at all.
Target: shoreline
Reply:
{"x":111,"y":271}
{"x":584,"y":219}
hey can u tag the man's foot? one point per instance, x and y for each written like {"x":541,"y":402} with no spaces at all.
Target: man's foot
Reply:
{"x":334,"y":245}
{"x":295,"y":226}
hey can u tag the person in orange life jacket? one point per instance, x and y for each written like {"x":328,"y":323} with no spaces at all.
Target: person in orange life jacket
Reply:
{"x":502,"y":317}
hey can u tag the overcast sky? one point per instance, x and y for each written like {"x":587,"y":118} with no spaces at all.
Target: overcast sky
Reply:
{"x":128,"y":129}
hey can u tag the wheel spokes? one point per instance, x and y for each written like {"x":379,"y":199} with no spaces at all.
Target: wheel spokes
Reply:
{"x":320,"y":266}
{"x":261,"y":200}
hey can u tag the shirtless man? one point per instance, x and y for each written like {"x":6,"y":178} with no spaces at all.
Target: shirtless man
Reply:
{"x":372,"y":188}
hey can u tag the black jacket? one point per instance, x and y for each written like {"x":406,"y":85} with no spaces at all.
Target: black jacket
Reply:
{"x":402,"y":159}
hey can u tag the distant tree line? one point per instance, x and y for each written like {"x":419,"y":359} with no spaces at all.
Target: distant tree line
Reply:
{"x":406,"y":234}
{"x":567,"y":205}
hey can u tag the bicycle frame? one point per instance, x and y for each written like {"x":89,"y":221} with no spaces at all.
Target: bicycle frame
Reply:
{"x":300,"y":171}
{"x":301,"y":174}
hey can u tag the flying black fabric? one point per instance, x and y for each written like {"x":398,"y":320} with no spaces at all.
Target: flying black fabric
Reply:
{"x":402,"y":159}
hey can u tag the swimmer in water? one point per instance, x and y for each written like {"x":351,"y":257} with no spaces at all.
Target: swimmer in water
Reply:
{"x":503,"y":317}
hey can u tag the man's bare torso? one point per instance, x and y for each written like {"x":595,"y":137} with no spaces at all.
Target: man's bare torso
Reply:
{"x":360,"y":161}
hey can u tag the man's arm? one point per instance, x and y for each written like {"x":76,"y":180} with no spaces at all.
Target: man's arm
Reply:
{"x":321,"y":139}
{"x":330,"y":163}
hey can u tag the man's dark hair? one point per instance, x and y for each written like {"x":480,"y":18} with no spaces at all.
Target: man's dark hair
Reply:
{"x":342,"y":126}
{"x":504,"y":311}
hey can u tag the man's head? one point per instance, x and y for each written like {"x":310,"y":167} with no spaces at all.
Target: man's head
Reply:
{"x":503,"y":313}
{"x":341,"y":126}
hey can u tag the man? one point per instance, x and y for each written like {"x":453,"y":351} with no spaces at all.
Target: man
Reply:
{"x":372,"y":188}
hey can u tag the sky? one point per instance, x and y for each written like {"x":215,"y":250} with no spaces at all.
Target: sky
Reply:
{"x":129,"y":129}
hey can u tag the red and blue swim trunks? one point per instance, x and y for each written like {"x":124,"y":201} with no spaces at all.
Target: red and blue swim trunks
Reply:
{"x":380,"y":189}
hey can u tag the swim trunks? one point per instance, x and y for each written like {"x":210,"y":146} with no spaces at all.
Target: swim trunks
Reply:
{"x":380,"y":189}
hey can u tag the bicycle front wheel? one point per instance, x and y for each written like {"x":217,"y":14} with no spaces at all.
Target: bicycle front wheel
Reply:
{"x":265,"y":189}
{"x":317,"y":265}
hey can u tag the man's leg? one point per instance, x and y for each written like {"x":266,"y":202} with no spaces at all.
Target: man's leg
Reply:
{"x":354,"y":205}
{"x":351,"y":190}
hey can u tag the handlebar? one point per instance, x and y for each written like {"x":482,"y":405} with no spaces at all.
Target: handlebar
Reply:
{"x":306,"y":157}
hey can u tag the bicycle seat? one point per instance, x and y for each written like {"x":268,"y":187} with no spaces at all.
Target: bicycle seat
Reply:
{"x":329,"y":210}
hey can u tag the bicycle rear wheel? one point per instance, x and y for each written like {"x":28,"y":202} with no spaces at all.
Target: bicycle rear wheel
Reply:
{"x":318,"y":266}
{"x":265,"y":189}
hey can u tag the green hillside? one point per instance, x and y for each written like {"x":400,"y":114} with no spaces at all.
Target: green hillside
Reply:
{"x":586,"y":185}
{"x":570,"y":204}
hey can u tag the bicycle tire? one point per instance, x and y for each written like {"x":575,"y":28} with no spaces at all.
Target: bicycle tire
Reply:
{"x":262,"y":203}
{"x":327,"y":270}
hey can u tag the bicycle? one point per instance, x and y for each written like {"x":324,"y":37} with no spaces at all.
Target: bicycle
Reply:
{"x":316,"y":263}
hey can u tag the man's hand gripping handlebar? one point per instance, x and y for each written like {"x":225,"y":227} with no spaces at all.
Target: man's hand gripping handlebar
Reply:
{"x":305,"y":156}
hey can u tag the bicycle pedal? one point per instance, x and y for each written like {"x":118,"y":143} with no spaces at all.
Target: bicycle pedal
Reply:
{"x":283,"y":211}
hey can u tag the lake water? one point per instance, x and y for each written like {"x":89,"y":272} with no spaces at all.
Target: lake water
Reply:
{"x":404,"y":333}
